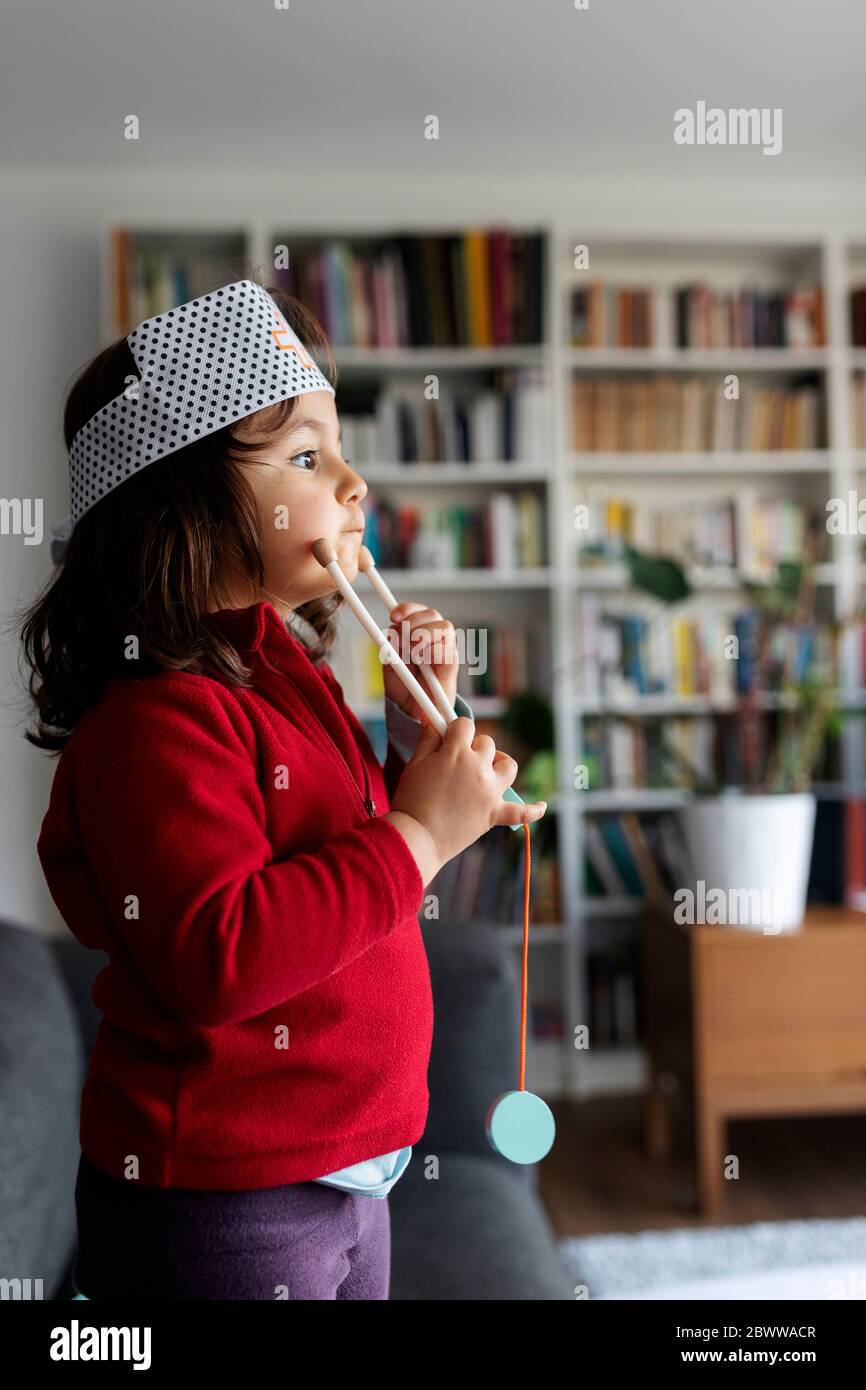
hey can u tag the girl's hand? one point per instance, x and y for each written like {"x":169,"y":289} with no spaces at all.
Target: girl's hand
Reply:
{"x":421,"y":634}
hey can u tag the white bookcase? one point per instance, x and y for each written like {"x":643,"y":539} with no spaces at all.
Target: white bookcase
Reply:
{"x":551,"y":595}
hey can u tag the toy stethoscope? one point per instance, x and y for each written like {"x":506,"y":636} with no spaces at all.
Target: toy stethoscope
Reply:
{"x":519,"y":1125}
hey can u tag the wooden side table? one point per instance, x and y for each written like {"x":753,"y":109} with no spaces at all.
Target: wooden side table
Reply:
{"x":752,"y":1024}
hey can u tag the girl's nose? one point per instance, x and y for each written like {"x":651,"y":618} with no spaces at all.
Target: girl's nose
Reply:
{"x":352,"y":488}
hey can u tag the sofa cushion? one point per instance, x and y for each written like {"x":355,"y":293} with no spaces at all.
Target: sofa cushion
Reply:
{"x":41,"y":1075}
{"x":476,"y":1231}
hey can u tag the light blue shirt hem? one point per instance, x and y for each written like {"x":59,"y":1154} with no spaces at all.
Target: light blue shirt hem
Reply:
{"x":374,"y":1177}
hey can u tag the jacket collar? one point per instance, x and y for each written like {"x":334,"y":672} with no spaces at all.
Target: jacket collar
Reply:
{"x":259,"y":625}
{"x":260,"y":630}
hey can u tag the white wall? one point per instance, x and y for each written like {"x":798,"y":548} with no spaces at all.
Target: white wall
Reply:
{"x":51,"y":221}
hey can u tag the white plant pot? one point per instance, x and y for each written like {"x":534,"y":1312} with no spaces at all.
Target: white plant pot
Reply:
{"x":755,"y":849}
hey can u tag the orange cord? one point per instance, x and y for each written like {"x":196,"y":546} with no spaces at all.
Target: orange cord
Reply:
{"x":526,"y":864}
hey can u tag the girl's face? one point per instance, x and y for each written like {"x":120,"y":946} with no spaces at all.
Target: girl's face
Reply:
{"x":305,"y":490}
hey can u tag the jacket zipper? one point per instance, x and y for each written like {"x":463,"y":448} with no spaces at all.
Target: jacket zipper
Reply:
{"x":369,"y":803}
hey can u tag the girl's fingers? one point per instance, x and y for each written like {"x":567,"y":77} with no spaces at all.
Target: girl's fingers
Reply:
{"x":403,"y":610}
{"x":434,"y":641}
{"x":424,"y":638}
{"x":424,"y":635}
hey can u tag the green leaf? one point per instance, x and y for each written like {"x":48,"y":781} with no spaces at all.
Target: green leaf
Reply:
{"x":538,"y":777}
{"x":789,"y":576}
{"x":780,"y":594}
{"x":657,"y":575}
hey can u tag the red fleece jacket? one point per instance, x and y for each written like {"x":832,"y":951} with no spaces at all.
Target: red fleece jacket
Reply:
{"x":267,"y":1012}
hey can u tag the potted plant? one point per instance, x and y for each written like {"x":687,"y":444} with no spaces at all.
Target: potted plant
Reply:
{"x":750,"y":845}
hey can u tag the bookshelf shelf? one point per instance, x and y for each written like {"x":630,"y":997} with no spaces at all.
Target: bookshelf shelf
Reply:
{"x":545,"y":1071}
{"x":699,"y":359}
{"x":614,"y":907}
{"x":588,"y":576}
{"x":540,"y":934}
{"x":693,"y":463}
{"x":662,"y":706}
{"x":633,"y":799}
{"x":467,"y":579}
{"x":431,"y":359}
{"x":454,"y":474}
{"x":611,"y":1071}
{"x":656,"y":706}
{"x":549,"y":597}
{"x":483,"y":707}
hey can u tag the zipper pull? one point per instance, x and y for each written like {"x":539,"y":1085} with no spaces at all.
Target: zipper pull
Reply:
{"x":370,"y":805}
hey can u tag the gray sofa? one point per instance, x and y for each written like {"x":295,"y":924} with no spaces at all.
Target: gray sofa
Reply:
{"x":477,"y":1231}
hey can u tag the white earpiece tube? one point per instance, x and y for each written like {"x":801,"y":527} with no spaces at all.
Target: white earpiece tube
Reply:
{"x":386,"y":651}
{"x":326,"y":556}
{"x":436,"y":687}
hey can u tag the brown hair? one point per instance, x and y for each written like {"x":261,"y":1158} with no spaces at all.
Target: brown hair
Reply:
{"x":152,"y":554}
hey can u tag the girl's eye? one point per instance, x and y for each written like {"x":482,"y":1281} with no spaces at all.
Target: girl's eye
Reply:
{"x":309,"y":454}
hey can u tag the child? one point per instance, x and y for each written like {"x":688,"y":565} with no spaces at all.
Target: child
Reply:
{"x":219,"y":826}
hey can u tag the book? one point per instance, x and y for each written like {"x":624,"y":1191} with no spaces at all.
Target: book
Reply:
{"x":674,"y":414}
{"x":632,"y":316}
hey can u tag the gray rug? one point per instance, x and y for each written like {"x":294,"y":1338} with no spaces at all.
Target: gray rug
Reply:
{"x":611,"y":1266}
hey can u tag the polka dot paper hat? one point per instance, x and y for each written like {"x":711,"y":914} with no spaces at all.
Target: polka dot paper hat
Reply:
{"x":201,"y":366}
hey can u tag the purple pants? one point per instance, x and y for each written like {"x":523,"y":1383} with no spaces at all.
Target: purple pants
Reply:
{"x":300,"y":1241}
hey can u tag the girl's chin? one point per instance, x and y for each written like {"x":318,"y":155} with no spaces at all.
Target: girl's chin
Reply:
{"x":348,"y":552}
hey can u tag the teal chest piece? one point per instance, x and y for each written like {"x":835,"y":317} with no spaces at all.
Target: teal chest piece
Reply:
{"x":520,"y":1125}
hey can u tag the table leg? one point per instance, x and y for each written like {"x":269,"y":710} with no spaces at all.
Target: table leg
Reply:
{"x":657,"y":1118}
{"x":710,"y":1129}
